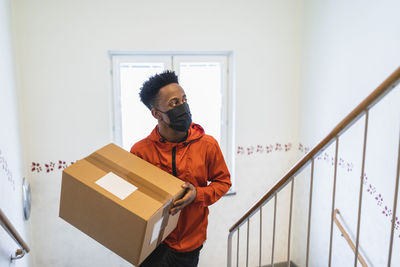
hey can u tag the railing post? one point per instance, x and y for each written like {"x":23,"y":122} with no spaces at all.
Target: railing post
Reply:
{"x":259,"y":257}
{"x":290,"y":220}
{"x":237,"y":248}
{"x":309,"y":212}
{"x":273,"y":230}
{"x":396,"y":192}
{"x":247,"y":247}
{"x":333,"y":200}
{"x":361,"y":186}
{"x":229,"y":260}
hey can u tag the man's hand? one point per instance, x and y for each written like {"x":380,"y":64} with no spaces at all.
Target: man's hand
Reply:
{"x":188,"y":198}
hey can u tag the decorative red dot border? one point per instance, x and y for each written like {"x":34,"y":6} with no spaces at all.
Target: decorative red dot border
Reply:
{"x":260,"y":149}
{"x":251,"y":150}
{"x":369,"y":188}
{"x":50,"y":166}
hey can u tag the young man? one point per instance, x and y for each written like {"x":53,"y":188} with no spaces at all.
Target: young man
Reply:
{"x":181,"y":148}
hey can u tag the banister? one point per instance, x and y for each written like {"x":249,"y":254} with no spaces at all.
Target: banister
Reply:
{"x":384,"y":88}
{"x":10,"y":229}
{"x":348,"y":239}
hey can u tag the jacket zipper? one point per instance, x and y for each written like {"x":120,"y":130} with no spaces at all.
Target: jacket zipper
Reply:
{"x":174,"y":161}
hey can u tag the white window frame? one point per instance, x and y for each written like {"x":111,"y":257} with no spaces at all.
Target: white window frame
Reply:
{"x":172,"y":61}
{"x":116,"y":92}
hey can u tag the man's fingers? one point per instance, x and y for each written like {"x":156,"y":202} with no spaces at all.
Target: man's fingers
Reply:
{"x":177,"y":207}
{"x":179,"y":202}
{"x":173,"y":211}
{"x":183,"y":199}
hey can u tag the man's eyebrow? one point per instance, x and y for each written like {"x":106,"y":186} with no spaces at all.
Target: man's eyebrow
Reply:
{"x":174,"y":98}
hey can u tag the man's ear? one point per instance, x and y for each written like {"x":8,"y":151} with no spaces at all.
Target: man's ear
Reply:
{"x":155,"y":114}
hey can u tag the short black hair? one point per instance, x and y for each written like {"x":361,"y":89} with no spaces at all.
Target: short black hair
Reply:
{"x":151,"y":87}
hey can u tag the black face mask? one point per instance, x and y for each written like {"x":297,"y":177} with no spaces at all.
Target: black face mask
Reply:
{"x":180,"y":117}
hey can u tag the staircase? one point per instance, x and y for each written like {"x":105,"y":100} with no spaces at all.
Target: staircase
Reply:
{"x":241,"y":241}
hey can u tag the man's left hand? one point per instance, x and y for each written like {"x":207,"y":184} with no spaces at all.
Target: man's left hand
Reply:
{"x":188,"y":198}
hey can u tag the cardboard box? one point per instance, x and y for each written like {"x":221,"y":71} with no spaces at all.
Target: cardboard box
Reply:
{"x":121,"y":201}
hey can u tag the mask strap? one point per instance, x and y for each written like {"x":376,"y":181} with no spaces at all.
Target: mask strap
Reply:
{"x":160,"y":110}
{"x":162,"y":117}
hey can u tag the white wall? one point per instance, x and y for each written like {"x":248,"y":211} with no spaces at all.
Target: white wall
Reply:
{"x":64,"y":87}
{"x":10,"y":154}
{"x":350,"y":48}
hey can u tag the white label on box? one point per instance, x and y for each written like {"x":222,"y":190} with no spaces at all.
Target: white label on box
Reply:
{"x":116,"y":185}
{"x":156,"y":230}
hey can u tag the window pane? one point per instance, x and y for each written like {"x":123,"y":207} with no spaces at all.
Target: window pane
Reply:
{"x":202,"y":84}
{"x":136,"y":118}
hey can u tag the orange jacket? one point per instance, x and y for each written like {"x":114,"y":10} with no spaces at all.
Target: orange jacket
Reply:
{"x":197,"y":160}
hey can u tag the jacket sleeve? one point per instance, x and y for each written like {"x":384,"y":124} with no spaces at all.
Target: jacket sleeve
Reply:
{"x":135,"y":151}
{"x":218,"y":175}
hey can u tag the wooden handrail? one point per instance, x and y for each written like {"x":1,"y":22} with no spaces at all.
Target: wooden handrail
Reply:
{"x":384,"y":88}
{"x":348,"y":239}
{"x":10,"y":229}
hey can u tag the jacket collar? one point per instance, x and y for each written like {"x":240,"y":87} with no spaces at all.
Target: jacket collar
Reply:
{"x":195,"y":132}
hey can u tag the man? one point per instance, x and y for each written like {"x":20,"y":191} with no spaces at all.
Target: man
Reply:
{"x":181,"y":148}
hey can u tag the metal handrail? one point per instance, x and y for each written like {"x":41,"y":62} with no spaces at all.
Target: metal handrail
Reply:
{"x":384,"y":88}
{"x":10,"y":229}
{"x":361,"y":110}
{"x":348,"y":239}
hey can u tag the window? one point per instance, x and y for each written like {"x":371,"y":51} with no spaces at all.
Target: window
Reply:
{"x":205,"y":79}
